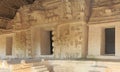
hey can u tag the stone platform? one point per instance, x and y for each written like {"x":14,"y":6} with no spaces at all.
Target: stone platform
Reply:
{"x":37,"y":65}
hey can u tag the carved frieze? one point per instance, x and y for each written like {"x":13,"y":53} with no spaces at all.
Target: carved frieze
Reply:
{"x":101,"y":3}
{"x":105,"y":14}
{"x":51,"y":15}
{"x":54,"y":11}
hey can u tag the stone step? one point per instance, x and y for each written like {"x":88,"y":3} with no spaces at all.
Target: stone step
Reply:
{"x":37,"y":64}
{"x":41,"y":70}
{"x":41,"y":66}
{"x":4,"y":70}
{"x":45,"y":71}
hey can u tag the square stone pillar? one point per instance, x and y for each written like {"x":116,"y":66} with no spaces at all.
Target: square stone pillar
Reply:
{"x":94,"y":41}
{"x":84,"y":45}
{"x":117,"y":41}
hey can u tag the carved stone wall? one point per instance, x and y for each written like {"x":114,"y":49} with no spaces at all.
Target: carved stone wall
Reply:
{"x":29,"y":43}
{"x":54,"y":11}
{"x":23,"y":44}
{"x":20,"y":40}
{"x":22,"y":19}
{"x":68,"y":41}
{"x":57,"y":15}
{"x":105,"y":14}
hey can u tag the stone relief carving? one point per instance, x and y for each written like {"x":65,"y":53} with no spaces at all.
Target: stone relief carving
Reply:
{"x":29,"y":43}
{"x":20,"y":39}
{"x":68,"y":10}
{"x":51,"y":15}
{"x":22,"y":19}
{"x":105,"y":14}
{"x":101,"y":3}
{"x":69,"y":37}
{"x":55,"y":11}
{"x":23,"y":44}
{"x":50,"y":12}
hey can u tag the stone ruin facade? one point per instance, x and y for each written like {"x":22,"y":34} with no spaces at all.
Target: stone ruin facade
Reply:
{"x":69,"y":34}
{"x":66,"y":19}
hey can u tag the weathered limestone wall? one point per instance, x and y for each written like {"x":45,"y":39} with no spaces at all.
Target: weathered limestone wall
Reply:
{"x":36,"y":41}
{"x":3,"y":46}
{"x":68,"y":41}
{"x":21,"y":44}
{"x":20,"y":41}
{"x":67,"y":19}
{"x":96,"y":40}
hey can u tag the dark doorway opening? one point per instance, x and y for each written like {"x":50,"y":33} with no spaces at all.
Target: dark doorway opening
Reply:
{"x":9,"y":43}
{"x":51,"y":41}
{"x":46,"y":42}
{"x":110,"y":41}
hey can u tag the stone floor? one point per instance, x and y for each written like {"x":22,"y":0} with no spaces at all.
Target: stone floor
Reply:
{"x":41,"y":65}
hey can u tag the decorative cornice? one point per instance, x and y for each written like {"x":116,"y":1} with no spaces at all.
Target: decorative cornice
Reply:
{"x":105,"y":14}
{"x":104,"y":3}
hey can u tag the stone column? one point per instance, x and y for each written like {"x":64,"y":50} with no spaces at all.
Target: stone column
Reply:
{"x":84,"y":41}
{"x":117,"y":41}
{"x":94,"y":41}
{"x":29,"y":43}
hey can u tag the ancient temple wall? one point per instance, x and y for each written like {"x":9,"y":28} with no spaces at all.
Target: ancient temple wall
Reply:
{"x":66,"y":19}
{"x":96,"y":40}
{"x":41,"y":41}
{"x":69,"y":41}
{"x":20,"y":44}
{"x":3,"y":46}
{"x":23,"y":44}
{"x":16,"y":45}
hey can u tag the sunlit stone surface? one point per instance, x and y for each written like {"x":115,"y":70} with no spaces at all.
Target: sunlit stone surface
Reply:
{"x":59,"y":36}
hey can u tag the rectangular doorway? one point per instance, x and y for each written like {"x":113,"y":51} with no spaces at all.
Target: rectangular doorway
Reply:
{"x":46,"y":42}
{"x":51,"y":41}
{"x":110,"y":41}
{"x":9,"y":45}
